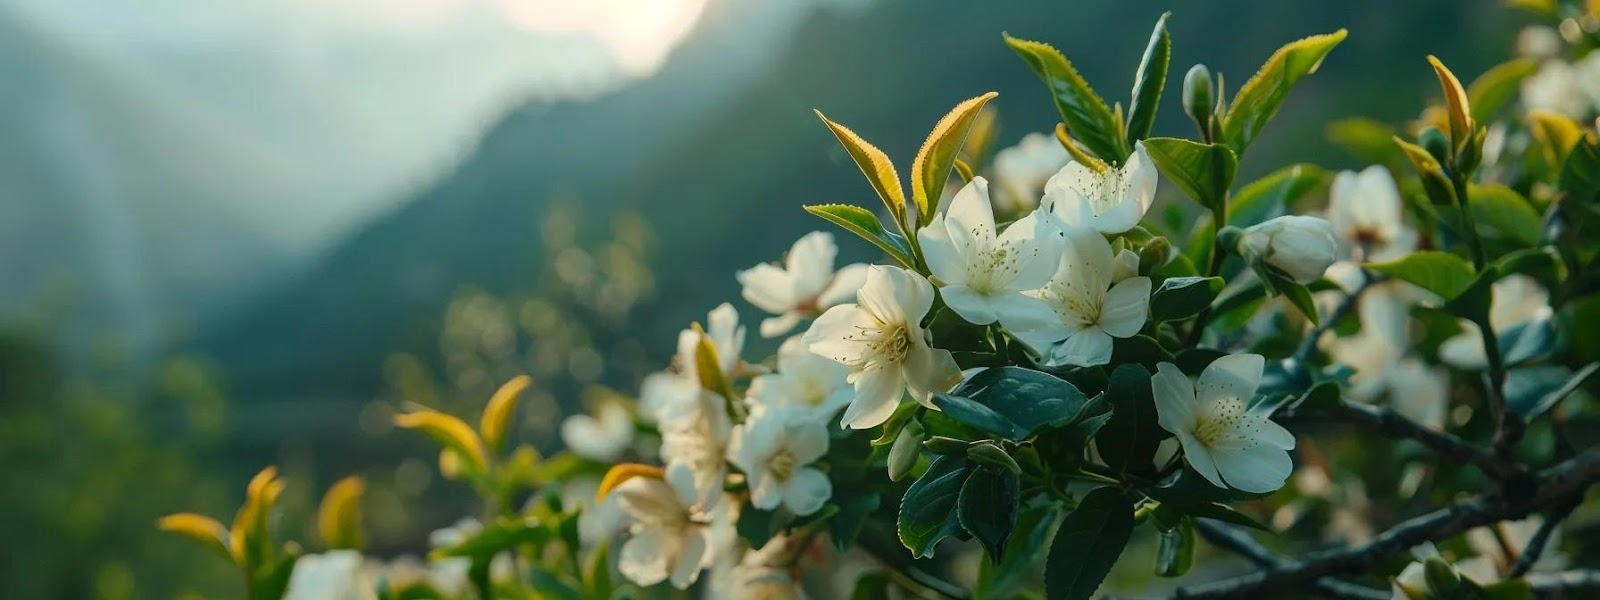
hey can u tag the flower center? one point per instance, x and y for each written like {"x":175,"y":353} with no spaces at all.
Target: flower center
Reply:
{"x":891,"y":343}
{"x":1077,"y":306}
{"x":1220,"y":422}
{"x":781,"y":465}
{"x":1104,"y":191}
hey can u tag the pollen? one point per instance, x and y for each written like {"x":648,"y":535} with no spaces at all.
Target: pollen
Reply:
{"x":1226,"y":422}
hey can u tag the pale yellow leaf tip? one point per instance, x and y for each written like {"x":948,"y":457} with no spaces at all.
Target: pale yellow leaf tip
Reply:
{"x":496,"y":421}
{"x":339,"y":515}
{"x":622,"y":473}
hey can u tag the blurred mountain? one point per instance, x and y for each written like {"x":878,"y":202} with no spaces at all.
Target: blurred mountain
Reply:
{"x":722,"y":173}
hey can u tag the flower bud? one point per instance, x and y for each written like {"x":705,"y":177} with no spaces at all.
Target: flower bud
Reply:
{"x":1197,"y":95}
{"x":944,"y":445}
{"x":1436,"y":144}
{"x":1443,"y":580}
{"x":988,"y":454}
{"x":903,"y":454}
{"x":1153,"y":256}
{"x":1300,"y":247}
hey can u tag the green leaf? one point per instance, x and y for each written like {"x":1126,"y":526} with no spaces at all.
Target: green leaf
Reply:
{"x":988,"y":508}
{"x":1300,"y":298}
{"x":873,"y":585}
{"x":927,"y":511}
{"x":931,"y":169}
{"x":1022,"y":562}
{"x":976,"y":414}
{"x":597,"y":571}
{"x":1366,"y":139}
{"x":1259,"y":98}
{"x":862,"y":222}
{"x":1226,"y":514}
{"x":1270,"y":196}
{"x":1025,"y":398}
{"x":1085,"y":114}
{"x":1514,"y":589}
{"x":853,"y":513}
{"x":1442,"y":273}
{"x":1188,"y":489}
{"x":1183,"y":297}
{"x":1203,"y":171}
{"x":759,"y":526}
{"x":1527,"y":341}
{"x":1580,"y":174}
{"x":875,"y":165}
{"x":549,"y":586}
{"x":1175,"y":553}
{"x":1498,"y":86}
{"x":1434,"y":182}
{"x":1088,"y":544}
{"x":1133,"y":433}
{"x":497,"y":536}
{"x":272,"y":580}
{"x":1149,"y":81}
{"x":1505,"y":213}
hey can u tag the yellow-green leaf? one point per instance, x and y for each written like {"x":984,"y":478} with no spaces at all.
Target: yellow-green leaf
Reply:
{"x":1442,"y":273}
{"x":1455,"y":98}
{"x":1270,"y":196}
{"x":1259,"y":98}
{"x":1506,"y":212}
{"x":496,"y":421}
{"x":1434,"y":181}
{"x":874,"y":165}
{"x":339,"y":515}
{"x":862,"y":222}
{"x":621,"y":473}
{"x":1149,"y":81}
{"x":1087,"y":116}
{"x":708,"y":366}
{"x":200,"y":528}
{"x":249,"y":542}
{"x":1077,"y":153}
{"x":450,"y":432}
{"x":1203,"y":171}
{"x":931,"y":169}
{"x":1556,"y":133}
{"x":1496,"y":87}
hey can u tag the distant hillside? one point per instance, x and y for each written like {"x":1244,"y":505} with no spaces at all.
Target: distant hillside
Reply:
{"x":725,"y":191}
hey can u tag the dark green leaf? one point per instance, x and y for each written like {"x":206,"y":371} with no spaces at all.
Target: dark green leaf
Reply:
{"x":1259,"y":98}
{"x":1224,"y":513}
{"x":1088,"y":544}
{"x":497,"y":536}
{"x":1141,"y":349}
{"x":1026,"y":398}
{"x":1580,"y":174}
{"x":853,"y":513}
{"x":1133,"y":433}
{"x":1532,"y":391}
{"x":549,"y":586}
{"x":976,"y":414}
{"x":1203,"y":171}
{"x":1527,"y":341}
{"x":1497,"y":87}
{"x":928,"y":510}
{"x":1022,"y":563}
{"x":1187,"y":488}
{"x":1515,"y":589}
{"x":759,"y":526}
{"x":1270,"y":196}
{"x":1175,"y":554}
{"x":988,"y":508}
{"x":1149,"y":81}
{"x":873,"y":585}
{"x":1086,"y":115}
{"x":1300,"y":297}
{"x":862,"y":222}
{"x":1183,"y":297}
{"x":1442,"y":273}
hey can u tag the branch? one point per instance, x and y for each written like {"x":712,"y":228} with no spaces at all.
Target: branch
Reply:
{"x":1565,"y":581}
{"x":1512,"y":502}
{"x":1239,"y":542}
{"x":1536,"y":544}
{"x":1388,"y":421}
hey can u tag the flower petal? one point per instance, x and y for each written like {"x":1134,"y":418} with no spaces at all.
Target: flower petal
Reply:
{"x":878,"y":393}
{"x":973,"y":307}
{"x":929,"y":371}
{"x":835,"y":334}
{"x":1086,"y":260}
{"x":779,"y":325}
{"x":1174,"y":398}
{"x":807,"y":441}
{"x":1254,"y":468}
{"x":1125,"y":307}
{"x":690,"y":557}
{"x":767,"y":287}
{"x":843,"y":287}
{"x":1086,"y":348}
{"x":1018,"y":311}
{"x":1232,"y":376}
{"x":810,"y":263}
{"x":1033,"y":251}
{"x":647,"y":556}
{"x":945,"y":260}
{"x":808,"y":490}
{"x":1200,"y":459}
{"x":970,"y":220}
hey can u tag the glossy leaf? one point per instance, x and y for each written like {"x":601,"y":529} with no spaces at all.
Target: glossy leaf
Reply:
{"x":1088,"y":544}
{"x":1175,"y":551}
{"x":1434,"y":181}
{"x":1270,"y":196}
{"x":1442,"y":273}
{"x":1203,"y":171}
{"x":1506,"y":213}
{"x":1580,"y":174}
{"x":1498,"y":86}
{"x":1183,"y":297}
{"x":1086,"y":115}
{"x":875,"y":165}
{"x":862,"y":222}
{"x":1132,"y":434}
{"x":1456,"y":103}
{"x":988,"y":507}
{"x":1259,"y":98}
{"x":1149,"y":81}
{"x":1022,"y":563}
{"x":928,"y":510}
{"x":1024,"y":398}
{"x":931,"y":169}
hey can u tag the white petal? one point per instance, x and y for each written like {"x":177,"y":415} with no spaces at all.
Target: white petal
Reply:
{"x":1200,"y":459}
{"x":807,"y":441}
{"x":808,"y":490}
{"x":970,"y":220}
{"x":1465,"y":350}
{"x":1141,"y":174}
{"x":843,"y":287}
{"x":929,"y":371}
{"x":1063,"y":196}
{"x":1088,"y":347}
{"x":1120,"y":217}
{"x":971,"y":305}
{"x":810,"y":263}
{"x":1018,"y":311}
{"x":1123,"y":313}
{"x":878,"y":393}
{"x":1127,"y":265}
{"x":768,"y":288}
{"x":895,"y":295}
{"x":1086,"y":260}
{"x":691,"y":555}
{"x":766,"y":492}
{"x":1232,"y":376}
{"x":1174,"y":399}
{"x":1033,"y":245}
{"x":647,"y":556}
{"x":779,"y":325}
{"x":685,"y":486}
{"x":945,"y":260}
{"x":835,"y":334}
{"x":1255,"y":468}
{"x":1269,"y":432}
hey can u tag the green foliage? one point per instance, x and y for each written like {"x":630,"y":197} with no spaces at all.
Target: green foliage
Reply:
{"x":1013,"y":402}
{"x":1149,"y":81}
{"x":1442,"y":273}
{"x":1130,"y":437}
{"x":1259,"y":98}
{"x":928,"y":510}
{"x":1088,"y":544}
{"x":988,"y":507}
{"x":862,"y":222}
{"x":1203,"y":171}
{"x":1085,"y":114}
{"x":1271,"y":196}
{"x":1183,"y":297}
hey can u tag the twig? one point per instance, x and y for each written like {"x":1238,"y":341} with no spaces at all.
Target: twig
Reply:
{"x":1239,"y":542}
{"x":1535,"y":547}
{"x":889,"y":552}
{"x":1565,"y":581}
{"x":1303,"y":354}
{"x":1385,"y":419}
{"x":1511,"y":502}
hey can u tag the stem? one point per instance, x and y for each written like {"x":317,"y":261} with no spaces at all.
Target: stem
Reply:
{"x":1302,"y":355}
{"x":1508,"y":426}
{"x":1388,"y":421}
{"x":1541,"y":538}
{"x":1219,"y":219}
{"x":1239,"y":542}
{"x":899,"y":568}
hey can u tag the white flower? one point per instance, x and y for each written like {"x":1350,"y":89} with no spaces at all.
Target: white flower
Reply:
{"x":332,"y":575}
{"x":1223,"y":440}
{"x":1412,"y":582}
{"x":803,"y":286}
{"x":1090,"y":309}
{"x":668,"y":540}
{"x":775,"y":450}
{"x":983,"y":275}
{"x":726,"y":334}
{"x":804,"y":381}
{"x":1556,"y":87}
{"x":1501,"y":544}
{"x":880,"y":339}
{"x":671,"y":395}
{"x":1514,"y":300}
{"x":693,"y":449}
{"x":1022,"y":170}
{"x":598,"y":519}
{"x":1127,"y":266}
{"x":1300,"y":247}
{"x":1538,"y":41}
{"x":602,"y":437}
{"x":1109,"y":202}
{"x":1365,"y":212}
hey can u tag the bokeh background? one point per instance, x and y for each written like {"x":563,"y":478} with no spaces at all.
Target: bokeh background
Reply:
{"x":243,"y":233}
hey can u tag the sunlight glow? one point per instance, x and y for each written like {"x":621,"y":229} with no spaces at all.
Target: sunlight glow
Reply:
{"x":639,"y":33}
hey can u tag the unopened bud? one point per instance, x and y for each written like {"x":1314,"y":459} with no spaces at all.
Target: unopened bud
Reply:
{"x":1437,"y":145}
{"x":1197,"y":96}
{"x":945,"y":446}
{"x":903,"y":454}
{"x":1154,"y":255}
{"x":986,"y":453}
